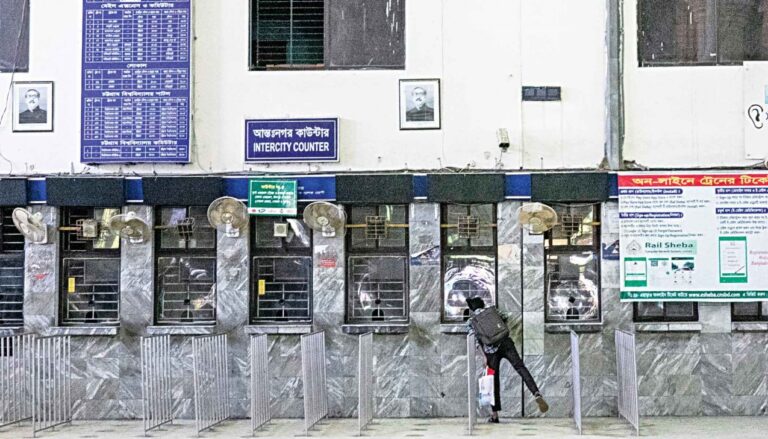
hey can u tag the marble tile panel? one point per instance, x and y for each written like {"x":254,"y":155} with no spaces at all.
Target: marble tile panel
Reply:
{"x":715,"y":318}
{"x":232,"y":280}
{"x":424,"y":407}
{"x":508,"y":230}
{"x":392,"y":407}
{"x":41,"y":273}
{"x":137,"y":279}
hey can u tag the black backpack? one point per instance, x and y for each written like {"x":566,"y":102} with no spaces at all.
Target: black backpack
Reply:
{"x":489,"y":327}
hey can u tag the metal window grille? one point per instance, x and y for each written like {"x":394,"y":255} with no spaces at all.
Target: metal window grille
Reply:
{"x":375,"y":227}
{"x":90,"y":269}
{"x":283,"y":287}
{"x":287,"y":34}
{"x":378,"y":289}
{"x":379,"y":229}
{"x":468,"y":237}
{"x":185,"y":289}
{"x":11,"y":271}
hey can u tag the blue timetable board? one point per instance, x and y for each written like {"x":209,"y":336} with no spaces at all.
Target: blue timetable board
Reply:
{"x":136,"y":91}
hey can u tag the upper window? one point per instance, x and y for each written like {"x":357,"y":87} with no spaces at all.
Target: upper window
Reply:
{"x":666,"y":312}
{"x":14,"y":35}
{"x":186,"y":267}
{"x":327,"y":34}
{"x":468,"y":236}
{"x":749,"y":311}
{"x":572,"y":270}
{"x":281,"y":290}
{"x":377,"y":244}
{"x":11,"y":271}
{"x":698,"y":32}
{"x":90,"y":267}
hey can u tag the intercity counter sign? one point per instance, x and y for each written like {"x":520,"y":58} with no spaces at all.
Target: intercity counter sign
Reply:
{"x":292,"y":140}
{"x":272,"y":198}
{"x":694,"y":237}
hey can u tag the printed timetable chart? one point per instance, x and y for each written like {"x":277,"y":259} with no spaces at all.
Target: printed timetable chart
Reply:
{"x":136,"y":81}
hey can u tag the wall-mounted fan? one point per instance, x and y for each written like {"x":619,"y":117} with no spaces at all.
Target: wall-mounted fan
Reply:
{"x":325,"y":217}
{"x":228,"y":214}
{"x":130,"y":227}
{"x":30,"y":225}
{"x":537,"y":218}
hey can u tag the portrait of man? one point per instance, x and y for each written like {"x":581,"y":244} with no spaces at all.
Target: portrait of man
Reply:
{"x":420,"y":110}
{"x":31,"y":112}
{"x":33,"y":104}
{"x":419,"y":104}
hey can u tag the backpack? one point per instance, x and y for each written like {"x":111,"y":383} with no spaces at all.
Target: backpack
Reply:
{"x":489,"y":327}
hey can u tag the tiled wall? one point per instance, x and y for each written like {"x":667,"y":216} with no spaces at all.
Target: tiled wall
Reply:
{"x":421,"y":373}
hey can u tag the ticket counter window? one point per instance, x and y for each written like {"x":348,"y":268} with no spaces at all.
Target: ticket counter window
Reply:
{"x":468,"y":238}
{"x":572,"y":271}
{"x":11,"y":271}
{"x":377,"y":269}
{"x":90,"y":267}
{"x":281,"y":270}
{"x":185,"y":287}
{"x":666,"y":312}
{"x":749,"y":311}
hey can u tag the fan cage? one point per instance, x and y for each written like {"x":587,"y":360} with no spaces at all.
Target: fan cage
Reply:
{"x":375,"y":227}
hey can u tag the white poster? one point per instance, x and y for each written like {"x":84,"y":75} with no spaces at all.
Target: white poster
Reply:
{"x":694,"y":237}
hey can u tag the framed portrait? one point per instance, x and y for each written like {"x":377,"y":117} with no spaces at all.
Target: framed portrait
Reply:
{"x":419,"y":104}
{"x":32,"y":106}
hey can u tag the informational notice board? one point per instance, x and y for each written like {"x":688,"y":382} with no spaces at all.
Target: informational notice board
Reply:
{"x":135,"y":81}
{"x":272,"y":198}
{"x":694,"y":237}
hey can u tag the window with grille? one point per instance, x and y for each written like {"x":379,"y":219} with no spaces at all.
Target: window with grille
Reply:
{"x":281,"y":290}
{"x":666,"y":312}
{"x":186,"y":267}
{"x":377,"y":272}
{"x":327,"y":34}
{"x":11,"y":271}
{"x":468,"y":237}
{"x":702,"y":32}
{"x":572,"y":265}
{"x":90,"y":267}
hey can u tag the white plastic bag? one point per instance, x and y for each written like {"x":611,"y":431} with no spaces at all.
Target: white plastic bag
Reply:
{"x":485,"y":390}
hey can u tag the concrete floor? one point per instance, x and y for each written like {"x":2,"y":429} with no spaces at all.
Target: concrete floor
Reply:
{"x":667,"y":428}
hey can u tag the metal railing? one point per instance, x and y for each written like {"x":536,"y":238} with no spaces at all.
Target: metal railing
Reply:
{"x":313,"y":369}
{"x":156,"y":382}
{"x":365,"y":381}
{"x":51,"y":401}
{"x":259,"y":353}
{"x":16,"y":359}
{"x":576,"y":376}
{"x":626,"y":371}
{"x":210,"y":367}
{"x":471,"y":384}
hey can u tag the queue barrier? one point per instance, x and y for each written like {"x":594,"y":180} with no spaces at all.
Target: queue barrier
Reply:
{"x":315,"y":387}
{"x":16,"y":378}
{"x":156,"y":382}
{"x":365,"y":407}
{"x":211,"y":381}
{"x":259,"y":353}
{"x":626,"y":371}
{"x":576,"y":377}
{"x":52,"y":383}
{"x":471,"y":385}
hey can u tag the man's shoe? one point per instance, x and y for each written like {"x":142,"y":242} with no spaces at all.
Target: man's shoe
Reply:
{"x":543,"y":406}
{"x":493,"y":420}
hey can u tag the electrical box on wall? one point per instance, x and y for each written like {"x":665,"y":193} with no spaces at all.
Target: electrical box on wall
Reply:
{"x":538,"y":93}
{"x":754,"y":112}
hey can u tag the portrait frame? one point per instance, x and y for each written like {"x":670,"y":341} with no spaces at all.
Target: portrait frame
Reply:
{"x":25,"y":121}
{"x":427,"y":92}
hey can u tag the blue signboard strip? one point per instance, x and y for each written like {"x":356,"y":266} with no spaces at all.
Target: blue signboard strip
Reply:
{"x":136,"y":88}
{"x":613,"y":186}
{"x":518,"y":186}
{"x":134,"y":190}
{"x":37,"y":192}
{"x":292,"y":140}
{"x":420,"y":186}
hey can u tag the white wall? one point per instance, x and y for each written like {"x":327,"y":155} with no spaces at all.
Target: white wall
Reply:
{"x":483,"y":52}
{"x":681,"y":117}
